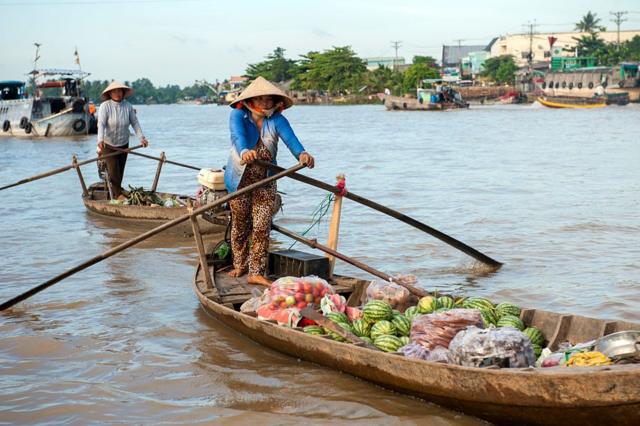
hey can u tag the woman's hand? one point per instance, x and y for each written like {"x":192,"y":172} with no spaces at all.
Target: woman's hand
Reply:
{"x":249,"y":156}
{"x":100,"y":148}
{"x":307,"y":159}
{"x":144,"y":142}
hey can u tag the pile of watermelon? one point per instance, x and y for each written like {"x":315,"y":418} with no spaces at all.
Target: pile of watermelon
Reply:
{"x":389,"y":329}
{"x":378,"y":324}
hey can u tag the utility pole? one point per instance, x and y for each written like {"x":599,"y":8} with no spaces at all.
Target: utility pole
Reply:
{"x":618,"y":20}
{"x":532,"y":26}
{"x":396,"y":45}
{"x":460,"y":40}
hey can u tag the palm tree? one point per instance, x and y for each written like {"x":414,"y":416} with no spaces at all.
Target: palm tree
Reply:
{"x":589,"y":24}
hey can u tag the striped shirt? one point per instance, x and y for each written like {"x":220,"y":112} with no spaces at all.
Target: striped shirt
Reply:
{"x":114,"y":119}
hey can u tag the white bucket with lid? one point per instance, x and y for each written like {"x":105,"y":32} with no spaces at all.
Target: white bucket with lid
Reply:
{"x":212,"y":179}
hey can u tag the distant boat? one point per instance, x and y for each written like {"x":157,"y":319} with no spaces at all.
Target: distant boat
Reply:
{"x":57,"y":109}
{"x":572,"y":102}
{"x":427,"y":100}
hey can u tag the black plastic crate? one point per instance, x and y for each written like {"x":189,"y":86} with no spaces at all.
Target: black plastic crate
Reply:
{"x":297,"y":264}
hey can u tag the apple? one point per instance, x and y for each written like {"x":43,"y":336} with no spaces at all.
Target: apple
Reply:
{"x":290,"y":300}
{"x":301,"y":304}
{"x":308,"y":297}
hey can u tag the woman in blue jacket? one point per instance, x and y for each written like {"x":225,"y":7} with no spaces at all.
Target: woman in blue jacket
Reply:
{"x":256,"y":125}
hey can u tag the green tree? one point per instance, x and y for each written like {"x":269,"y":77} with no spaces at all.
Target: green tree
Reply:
{"x":275,"y":68}
{"x":417,"y":72}
{"x":429,"y":60}
{"x":590,"y":23}
{"x":501,"y":69}
{"x":337,"y":70}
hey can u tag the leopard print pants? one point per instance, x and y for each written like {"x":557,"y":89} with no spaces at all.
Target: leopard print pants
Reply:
{"x":251,"y":215}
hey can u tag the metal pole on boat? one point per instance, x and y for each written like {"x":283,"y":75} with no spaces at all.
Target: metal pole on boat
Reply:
{"x":397,"y":215}
{"x":117,"y":249}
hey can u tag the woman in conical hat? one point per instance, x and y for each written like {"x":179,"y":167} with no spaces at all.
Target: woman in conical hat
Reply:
{"x":115,"y":115}
{"x":256,"y":125}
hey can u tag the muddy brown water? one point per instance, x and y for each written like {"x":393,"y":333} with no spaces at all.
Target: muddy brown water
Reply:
{"x":553,"y":194}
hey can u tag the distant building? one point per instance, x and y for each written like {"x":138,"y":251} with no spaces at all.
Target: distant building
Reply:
{"x":237,"y":82}
{"x":386,"y":62}
{"x":452,"y":55}
{"x":517,"y":45}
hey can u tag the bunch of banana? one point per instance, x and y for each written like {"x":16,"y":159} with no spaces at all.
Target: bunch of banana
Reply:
{"x":140,"y":197}
{"x":588,"y":359}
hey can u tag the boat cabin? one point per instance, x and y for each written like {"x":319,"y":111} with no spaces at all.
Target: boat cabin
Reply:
{"x":12,"y":90}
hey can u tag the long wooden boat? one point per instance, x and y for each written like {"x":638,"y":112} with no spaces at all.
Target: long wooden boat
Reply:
{"x":572,"y":102}
{"x":97,"y":202}
{"x":560,"y":395}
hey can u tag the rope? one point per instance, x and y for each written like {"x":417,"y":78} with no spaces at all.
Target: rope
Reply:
{"x":318,"y":214}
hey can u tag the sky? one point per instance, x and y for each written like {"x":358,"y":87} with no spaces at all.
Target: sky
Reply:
{"x":179,"y":41}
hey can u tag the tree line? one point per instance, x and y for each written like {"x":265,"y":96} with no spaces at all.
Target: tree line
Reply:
{"x":339,"y":70}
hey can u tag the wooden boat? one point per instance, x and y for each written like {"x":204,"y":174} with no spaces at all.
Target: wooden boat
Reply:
{"x":97,"y":202}
{"x":392,"y":103}
{"x":561,"y":395}
{"x":572,"y":102}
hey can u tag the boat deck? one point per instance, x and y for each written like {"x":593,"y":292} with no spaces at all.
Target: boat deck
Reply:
{"x":232,"y":291}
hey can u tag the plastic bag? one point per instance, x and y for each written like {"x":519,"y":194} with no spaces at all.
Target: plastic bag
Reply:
{"x":287,"y":296}
{"x":504,"y":347}
{"x":287,"y":292}
{"x":416,"y":351}
{"x":332,"y":303}
{"x":395,"y":295}
{"x":438,"y":329}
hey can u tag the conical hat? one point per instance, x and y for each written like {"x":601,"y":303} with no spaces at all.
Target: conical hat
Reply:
{"x":262,"y":87}
{"x":128,"y":91}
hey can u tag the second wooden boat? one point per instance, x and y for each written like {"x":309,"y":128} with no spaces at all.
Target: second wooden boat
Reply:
{"x":97,"y":202}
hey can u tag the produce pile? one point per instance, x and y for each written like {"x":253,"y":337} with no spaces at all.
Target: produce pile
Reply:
{"x":141,"y":197}
{"x":469,"y":331}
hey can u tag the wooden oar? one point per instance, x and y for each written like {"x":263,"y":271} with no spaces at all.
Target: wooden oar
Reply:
{"x":328,"y":324}
{"x":146,"y":235}
{"x":315,"y":244}
{"x":65,"y":168}
{"x":164,"y":160}
{"x":397,"y":215}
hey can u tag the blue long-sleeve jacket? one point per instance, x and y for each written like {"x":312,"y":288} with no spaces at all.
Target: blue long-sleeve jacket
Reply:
{"x":244,"y":136}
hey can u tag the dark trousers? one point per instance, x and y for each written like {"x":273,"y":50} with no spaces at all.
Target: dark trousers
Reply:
{"x":115,"y":166}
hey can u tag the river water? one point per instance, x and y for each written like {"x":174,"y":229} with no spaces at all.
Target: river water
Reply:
{"x":554,"y":194}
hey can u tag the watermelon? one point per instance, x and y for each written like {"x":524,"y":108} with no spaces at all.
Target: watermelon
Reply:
{"x":477,"y":303}
{"x":367,"y":339}
{"x":336,"y":336}
{"x":361,"y":328}
{"x":511,"y":321}
{"x":535,"y":335}
{"x":377,"y":310}
{"x":445,"y":302}
{"x":313,"y":329}
{"x":338,"y":317}
{"x":537,"y":350}
{"x":489,"y":318}
{"x":388,"y":343}
{"x":411,"y":313}
{"x":383,"y":327}
{"x":427,"y":305}
{"x":459,"y":303}
{"x":441,"y":310}
{"x":506,"y":308}
{"x":405,"y":340}
{"x":402,"y":325}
